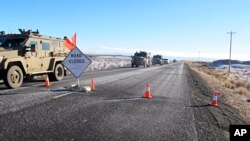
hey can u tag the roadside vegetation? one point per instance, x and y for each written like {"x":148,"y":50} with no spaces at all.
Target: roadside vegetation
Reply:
{"x":234,"y":89}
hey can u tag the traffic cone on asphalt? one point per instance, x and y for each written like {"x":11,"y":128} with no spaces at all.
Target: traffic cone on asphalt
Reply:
{"x":46,"y":83}
{"x":214,"y":101}
{"x":147,"y":93}
{"x":92,"y":85}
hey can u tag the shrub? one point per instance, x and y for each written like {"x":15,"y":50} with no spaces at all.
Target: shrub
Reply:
{"x":217,"y":75}
{"x":243,"y":90}
{"x":224,"y":78}
{"x":232,"y":81}
{"x":229,"y":85}
{"x":239,"y":84}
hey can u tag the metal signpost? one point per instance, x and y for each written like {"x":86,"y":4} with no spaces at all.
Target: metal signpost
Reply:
{"x":76,"y":62}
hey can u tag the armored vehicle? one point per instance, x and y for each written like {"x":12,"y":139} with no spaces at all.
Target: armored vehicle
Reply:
{"x":29,"y":54}
{"x":141,"y":58}
{"x":157,"y":59}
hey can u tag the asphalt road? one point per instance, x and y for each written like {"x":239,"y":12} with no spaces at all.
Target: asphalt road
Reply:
{"x":115,"y":111}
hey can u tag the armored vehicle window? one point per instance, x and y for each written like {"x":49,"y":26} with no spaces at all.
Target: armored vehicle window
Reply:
{"x":10,"y":43}
{"x":32,"y":43}
{"x":45,"y":46}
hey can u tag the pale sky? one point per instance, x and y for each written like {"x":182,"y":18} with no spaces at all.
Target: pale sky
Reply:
{"x":180,"y":28}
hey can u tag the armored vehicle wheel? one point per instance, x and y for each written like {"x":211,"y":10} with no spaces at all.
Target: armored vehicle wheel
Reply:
{"x":58,"y":73}
{"x":14,"y":77}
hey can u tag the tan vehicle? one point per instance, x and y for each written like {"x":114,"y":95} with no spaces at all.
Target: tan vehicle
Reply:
{"x":29,"y":54}
{"x":141,"y":58}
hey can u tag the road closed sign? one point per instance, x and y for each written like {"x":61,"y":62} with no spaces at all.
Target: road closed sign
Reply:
{"x":76,"y":62}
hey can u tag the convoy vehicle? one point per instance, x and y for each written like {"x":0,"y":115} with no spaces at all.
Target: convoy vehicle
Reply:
{"x":165,"y":61}
{"x":157,"y":59}
{"x":141,"y":58}
{"x":30,"y":54}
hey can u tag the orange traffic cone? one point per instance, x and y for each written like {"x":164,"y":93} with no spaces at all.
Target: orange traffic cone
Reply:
{"x":92,"y":85}
{"x":147,"y":93}
{"x":46,"y":83}
{"x":214,"y":100}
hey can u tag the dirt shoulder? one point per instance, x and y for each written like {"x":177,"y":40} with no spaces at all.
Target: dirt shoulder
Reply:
{"x":212,"y":123}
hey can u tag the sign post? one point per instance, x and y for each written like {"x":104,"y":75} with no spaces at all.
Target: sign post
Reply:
{"x":76,"y":62}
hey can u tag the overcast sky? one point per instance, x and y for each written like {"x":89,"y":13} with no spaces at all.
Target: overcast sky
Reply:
{"x":180,"y":28}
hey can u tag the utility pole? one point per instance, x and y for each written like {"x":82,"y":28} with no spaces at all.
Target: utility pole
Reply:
{"x":229,"y":63}
{"x":199,"y":56}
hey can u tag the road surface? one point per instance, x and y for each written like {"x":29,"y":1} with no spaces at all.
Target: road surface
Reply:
{"x":115,"y":111}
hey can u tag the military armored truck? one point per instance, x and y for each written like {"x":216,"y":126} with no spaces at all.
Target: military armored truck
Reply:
{"x":30,"y":54}
{"x":157,"y":59}
{"x":141,"y":58}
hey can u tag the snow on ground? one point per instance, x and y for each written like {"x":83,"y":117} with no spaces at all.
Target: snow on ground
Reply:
{"x":100,"y":62}
{"x":238,"y":71}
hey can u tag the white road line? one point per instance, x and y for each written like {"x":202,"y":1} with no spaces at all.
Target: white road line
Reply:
{"x":58,"y":96}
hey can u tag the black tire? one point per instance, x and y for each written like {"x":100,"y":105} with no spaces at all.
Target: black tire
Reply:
{"x":14,"y":77}
{"x":58,"y":73}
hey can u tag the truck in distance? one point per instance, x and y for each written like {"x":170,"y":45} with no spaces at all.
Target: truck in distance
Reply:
{"x":165,"y":61}
{"x":157,"y":59}
{"x":141,"y":58}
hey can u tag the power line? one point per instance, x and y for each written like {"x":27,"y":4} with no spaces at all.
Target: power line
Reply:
{"x":229,"y":63}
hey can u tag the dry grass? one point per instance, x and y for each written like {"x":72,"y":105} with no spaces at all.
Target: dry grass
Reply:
{"x":240,"y":84}
{"x":232,"y":81}
{"x":213,"y":76}
{"x":244,"y":91}
{"x":224,"y":78}
{"x":235,"y":90}
{"x":229,"y":85}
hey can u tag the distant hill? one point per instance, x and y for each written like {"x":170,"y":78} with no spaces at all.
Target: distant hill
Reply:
{"x":246,"y":62}
{"x":219,"y":63}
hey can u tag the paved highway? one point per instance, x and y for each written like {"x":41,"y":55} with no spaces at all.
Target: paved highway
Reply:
{"x":115,"y":111}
